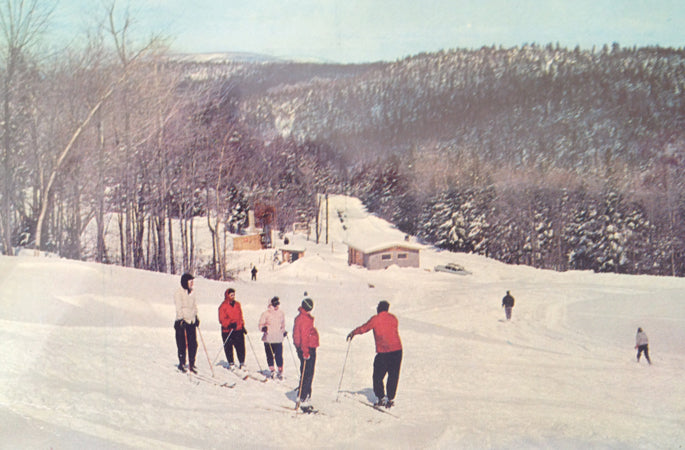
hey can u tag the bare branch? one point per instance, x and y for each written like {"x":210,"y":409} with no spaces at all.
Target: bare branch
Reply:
{"x":22,"y":23}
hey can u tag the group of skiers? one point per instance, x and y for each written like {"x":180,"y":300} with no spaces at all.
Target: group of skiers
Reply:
{"x":388,"y":358}
{"x":305,"y":338}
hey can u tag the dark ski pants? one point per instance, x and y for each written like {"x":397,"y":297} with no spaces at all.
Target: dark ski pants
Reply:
{"x":507,"y":311}
{"x":237,"y":341}
{"x":274,"y":350}
{"x":306,"y":375}
{"x":386,"y":363}
{"x":186,"y":337}
{"x":643,"y":348}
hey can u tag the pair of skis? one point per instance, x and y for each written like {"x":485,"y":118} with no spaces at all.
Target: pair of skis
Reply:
{"x":244,"y":375}
{"x":204,"y":378}
{"x":379,"y":408}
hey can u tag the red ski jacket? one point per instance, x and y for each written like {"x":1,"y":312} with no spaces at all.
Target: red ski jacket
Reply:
{"x":229,"y":314}
{"x":305,"y":335}
{"x":384,"y":326}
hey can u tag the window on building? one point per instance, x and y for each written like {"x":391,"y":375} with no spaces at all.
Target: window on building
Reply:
{"x":401,"y":256}
{"x":386,"y":257}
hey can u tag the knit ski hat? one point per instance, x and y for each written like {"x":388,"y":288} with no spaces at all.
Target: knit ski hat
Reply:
{"x":307,"y":304}
{"x":228,"y":292}
{"x":382,"y":306}
{"x":185,"y":278}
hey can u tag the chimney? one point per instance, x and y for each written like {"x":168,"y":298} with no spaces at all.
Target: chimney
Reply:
{"x":251,"y":229}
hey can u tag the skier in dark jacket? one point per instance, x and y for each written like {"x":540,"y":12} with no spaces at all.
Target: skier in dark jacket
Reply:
{"x":186,"y":323}
{"x":388,"y":352}
{"x":508,"y":304}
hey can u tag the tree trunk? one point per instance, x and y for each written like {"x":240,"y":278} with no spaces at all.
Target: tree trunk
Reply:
{"x":172,"y":259}
{"x":45,"y":199}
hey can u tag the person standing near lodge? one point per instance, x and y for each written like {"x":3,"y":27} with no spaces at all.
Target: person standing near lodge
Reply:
{"x":388,"y":352}
{"x":642,"y":345}
{"x":508,"y":304}
{"x":186,"y":323}
{"x":232,"y":328}
{"x":306,"y":340}
{"x":272,"y":324}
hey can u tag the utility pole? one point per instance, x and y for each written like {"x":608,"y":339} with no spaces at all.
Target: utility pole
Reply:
{"x":318,"y":215}
{"x":326,"y":218}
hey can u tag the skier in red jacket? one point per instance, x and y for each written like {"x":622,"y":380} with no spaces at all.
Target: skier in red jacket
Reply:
{"x":306,"y":340}
{"x":232,"y":328}
{"x":388,"y":352}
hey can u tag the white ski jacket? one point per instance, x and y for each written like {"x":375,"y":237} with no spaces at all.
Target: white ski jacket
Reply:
{"x":186,"y":307}
{"x":641,"y":339}
{"x":274,"y":320}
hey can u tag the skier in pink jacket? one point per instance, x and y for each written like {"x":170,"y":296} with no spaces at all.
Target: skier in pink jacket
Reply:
{"x":272,"y":324}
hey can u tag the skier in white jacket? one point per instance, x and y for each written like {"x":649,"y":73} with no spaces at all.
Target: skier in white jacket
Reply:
{"x":272,"y":324}
{"x":642,"y":345}
{"x":186,"y":323}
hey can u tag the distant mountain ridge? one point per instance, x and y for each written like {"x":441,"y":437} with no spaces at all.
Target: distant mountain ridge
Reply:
{"x":219,"y":57}
{"x":570,"y":108}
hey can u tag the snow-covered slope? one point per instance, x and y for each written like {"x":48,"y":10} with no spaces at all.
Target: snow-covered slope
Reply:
{"x":89,"y":357}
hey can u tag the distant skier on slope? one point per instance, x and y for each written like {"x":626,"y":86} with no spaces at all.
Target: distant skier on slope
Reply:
{"x":306,"y":340}
{"x":272,"y":324}
{"x":508,"y":304}
{"x":642,"y":345}
{"x":232,"y":328}
{"x":388,"y":352}
{"x":254,"y":273}
{"x":186,"y":323}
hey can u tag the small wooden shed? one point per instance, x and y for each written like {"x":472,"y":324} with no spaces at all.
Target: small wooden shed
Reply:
{"x":382,"y":256}
{"x":290,"y":254}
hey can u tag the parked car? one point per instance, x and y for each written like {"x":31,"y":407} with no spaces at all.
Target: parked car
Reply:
{"x":452,"y":268}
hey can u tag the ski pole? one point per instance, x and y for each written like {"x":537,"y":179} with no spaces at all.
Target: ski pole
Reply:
{"x":299,"y":391}
{"x":343,"y":369}
{"x":211,"y":367}
{"x":290,"y":346}
{"x":254,"y":353}
{"x":271,"y":350}
{"x":222,"y":347}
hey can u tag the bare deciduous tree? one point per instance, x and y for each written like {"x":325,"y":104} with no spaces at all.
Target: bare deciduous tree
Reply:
{"x":22,"y":23}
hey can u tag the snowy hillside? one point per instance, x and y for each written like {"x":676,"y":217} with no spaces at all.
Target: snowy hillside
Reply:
{"x":89,"y":356}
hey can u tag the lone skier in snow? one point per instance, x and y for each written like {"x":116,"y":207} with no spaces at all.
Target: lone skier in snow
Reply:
{"x":254,"y":273}
{"x":388,"y":352}
{"x":272,"y":324}
{"x":186,"y":323}
{"x":306,"y":340}
{"x":508,"y":304}
{"x":232,"y":328}
{"x":642,"y":345}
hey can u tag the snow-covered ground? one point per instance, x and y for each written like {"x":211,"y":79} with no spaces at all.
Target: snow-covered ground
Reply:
{"x":88,"y":357}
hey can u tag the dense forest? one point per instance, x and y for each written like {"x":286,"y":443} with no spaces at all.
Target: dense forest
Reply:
{"x":540,"y":155}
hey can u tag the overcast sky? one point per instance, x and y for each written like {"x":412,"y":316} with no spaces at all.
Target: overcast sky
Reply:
{"x":371,"y":30}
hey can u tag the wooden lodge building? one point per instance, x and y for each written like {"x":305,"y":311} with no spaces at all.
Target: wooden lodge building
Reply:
{"x":382,"y":256}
